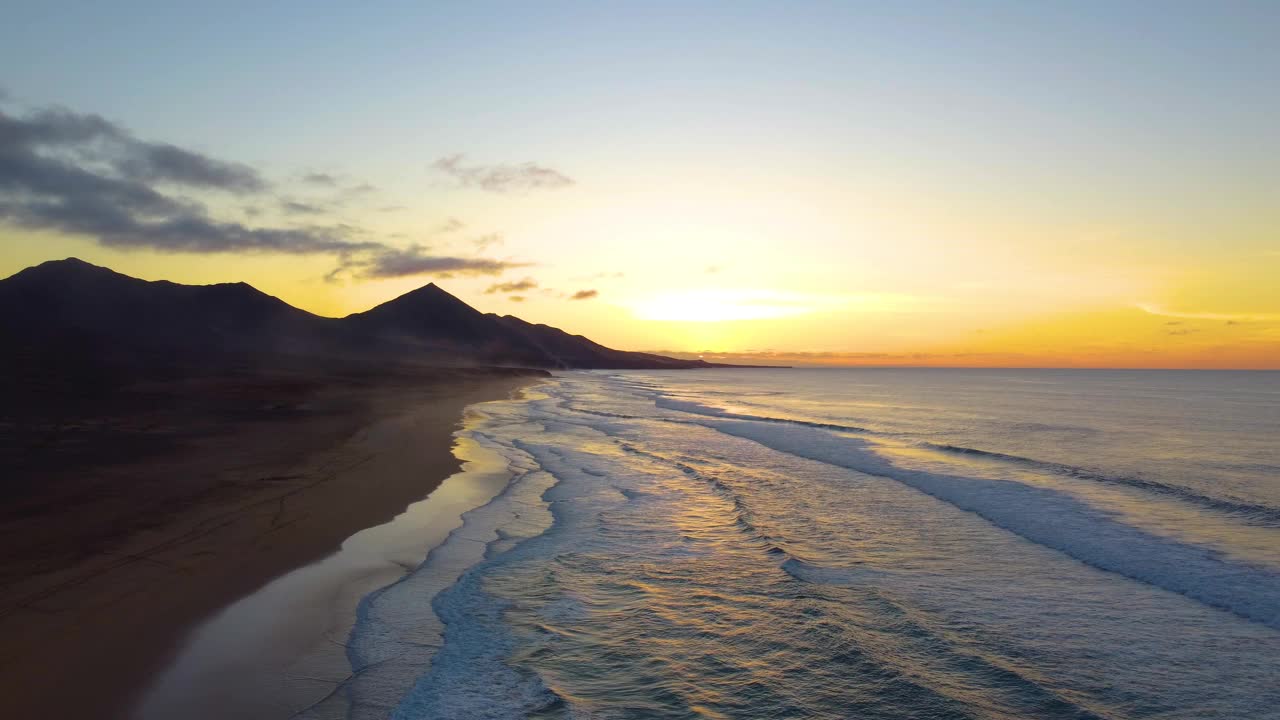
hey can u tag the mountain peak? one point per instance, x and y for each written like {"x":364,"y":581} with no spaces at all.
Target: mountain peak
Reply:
{"x":68,"y":271}
{"x":68,"y":265}
{"x":429,"y":303}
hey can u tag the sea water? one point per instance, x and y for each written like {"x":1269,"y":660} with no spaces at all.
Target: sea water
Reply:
{"x":861,"y":543}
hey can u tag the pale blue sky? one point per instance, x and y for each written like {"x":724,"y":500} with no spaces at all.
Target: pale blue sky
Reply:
{"x":296,"y":83}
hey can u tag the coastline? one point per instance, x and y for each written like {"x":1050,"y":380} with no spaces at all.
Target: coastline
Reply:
{"x":108,"y":606}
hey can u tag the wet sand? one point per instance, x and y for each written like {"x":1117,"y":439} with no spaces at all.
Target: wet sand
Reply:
{"x":281,"y":652}
{"x":107,"y":567}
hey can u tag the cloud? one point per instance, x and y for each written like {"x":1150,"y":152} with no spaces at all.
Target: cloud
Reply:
{"x":329,"y":180}
{"x":484,"y":241}
{"x":293,"y":207}
{"x":516,"y":298}
{"x":84,"y":175}
{"x":514,"y":286}
{"x":452,"y":224}
{"x":166,"y":163}
{"x":1239,"y":317}
{"x":584,"y":295}
{"x":501,"y":178}
{"x":319,"y":178}
{"x":36,"y":147}
{"x":417,"y":260}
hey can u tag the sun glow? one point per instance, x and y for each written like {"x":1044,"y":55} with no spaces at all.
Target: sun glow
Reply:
{"x":724,"y":305}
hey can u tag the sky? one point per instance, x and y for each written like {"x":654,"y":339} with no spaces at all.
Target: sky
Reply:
{"x":1055,"y":184}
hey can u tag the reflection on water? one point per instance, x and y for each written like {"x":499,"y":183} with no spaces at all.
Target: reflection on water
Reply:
{"x":747,"y":545}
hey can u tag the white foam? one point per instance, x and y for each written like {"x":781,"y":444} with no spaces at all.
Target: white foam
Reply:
{"x":1049,"y":518}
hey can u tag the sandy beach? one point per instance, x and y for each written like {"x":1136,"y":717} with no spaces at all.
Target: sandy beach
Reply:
{"x":227,"y":484}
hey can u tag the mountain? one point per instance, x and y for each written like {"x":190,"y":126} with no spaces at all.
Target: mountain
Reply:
{"x":71,"y":316}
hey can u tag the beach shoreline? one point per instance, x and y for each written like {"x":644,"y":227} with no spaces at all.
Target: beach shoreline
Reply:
{"x":164,"y":542}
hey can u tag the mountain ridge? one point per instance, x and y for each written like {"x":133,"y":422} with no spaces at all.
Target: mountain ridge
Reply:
{"x":72,"y":306}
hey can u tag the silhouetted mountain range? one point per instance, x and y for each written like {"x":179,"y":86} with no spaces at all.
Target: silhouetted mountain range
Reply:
{"x":72,"y":316}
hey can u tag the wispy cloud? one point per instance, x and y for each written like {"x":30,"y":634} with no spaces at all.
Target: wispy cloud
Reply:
{"x":295,"y":207}
{"x":483,"y":242}
{"x":514,"y":286}
{"x":452,"y":224}
{"x":319,"y":178}
{"x":523,"y":177}
{"x":1187,"y":315}
{"x":584,"y":295}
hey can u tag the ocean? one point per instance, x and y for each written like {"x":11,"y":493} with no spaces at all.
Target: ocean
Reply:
{"x":851,"y":543}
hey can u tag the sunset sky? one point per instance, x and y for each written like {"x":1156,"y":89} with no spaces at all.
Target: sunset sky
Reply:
{"x":969,"y":183}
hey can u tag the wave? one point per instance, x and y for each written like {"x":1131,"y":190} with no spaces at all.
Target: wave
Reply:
{"x":1253,"y":513}
{"x":707,"y":410}
{"x":839,"y":577}
{"x":939,"y":653}
{"x":398,"y":634}
{"x":469,"y":677}
{"x":1258,"y":514}
{"x":1052,"y":519}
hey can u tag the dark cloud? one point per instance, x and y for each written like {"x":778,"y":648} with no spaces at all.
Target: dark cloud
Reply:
{"x":149,"y":162}
{"x":392,"y":263}
{"x":318,"y":178}
{"x":516,"y":298}
{"x":83,"y":175}
{"x":44,"y":139}
{"x":584,"y":295}
{"x":502,"y":178}
{"x":513,"y":286}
